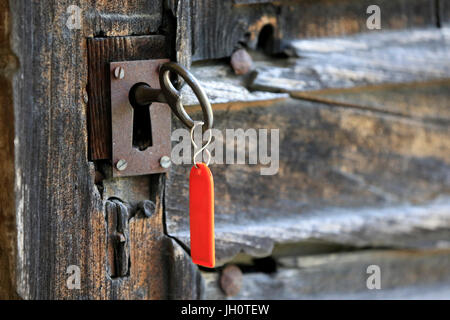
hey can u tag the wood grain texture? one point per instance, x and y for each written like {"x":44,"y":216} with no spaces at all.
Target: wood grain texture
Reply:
{"x":222,"y":86}
{"x":404,"y":275}
{"x":372,"y":58}
{"x":420,"y":101}
{"x":180,"y":13}
{"x":101,"y":51}
{"x":444,"y":12}
{"x":344,"y":174}
{"x":121,"y":18}
{"x":325,"y":18}
{"x":378,"y":58}
{"x":218,"y":27}
{"x":8,"y":231}
{"x":60,"y":211}
{"x":186,"y":282}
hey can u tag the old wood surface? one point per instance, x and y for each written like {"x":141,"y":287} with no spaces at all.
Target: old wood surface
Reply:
{"x":345,"y":174}
{"x":419,"y":101}
{"x":61,"y":217}
{"x":222,"y":86}
{"x":376,"y":58}
{"x":358,"y":168}
{"x":217,"y":28}
{"x":362,"y":184}
{"x":8,"y":231}
{"x":369,"y":58}
{"x":404,"y":275}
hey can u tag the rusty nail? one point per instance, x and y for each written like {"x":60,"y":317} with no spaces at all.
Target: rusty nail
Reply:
{"x":165,"y":162}
{"x":121,"y":164}
{"x":231,"y":280}
{"x":241,"y":61}
{"x":119,"y":73}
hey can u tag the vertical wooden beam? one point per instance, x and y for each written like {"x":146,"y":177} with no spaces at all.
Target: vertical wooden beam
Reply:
{"x":7,"y":207}
{"x":61,"y":220}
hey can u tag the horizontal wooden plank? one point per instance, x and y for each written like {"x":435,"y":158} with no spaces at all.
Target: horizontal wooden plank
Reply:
{"x":223,"y":86}
{"x":345,"y":175}
{"x":428,"y":101}
{"x":214,"y":29}
{"x":336,"y":63}
{"x":404,"y":275}
{"x":401,"y":227}
{"x":373,"y":58}
{"x":8,"y":226}
{"x":60,"y":218}
{"x":328,"y":18}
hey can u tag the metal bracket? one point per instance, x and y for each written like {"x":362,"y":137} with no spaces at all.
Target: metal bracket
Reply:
{"x":126,"y":159}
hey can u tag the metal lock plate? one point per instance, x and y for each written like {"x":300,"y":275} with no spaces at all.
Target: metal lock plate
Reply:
{"x":128,"y":160}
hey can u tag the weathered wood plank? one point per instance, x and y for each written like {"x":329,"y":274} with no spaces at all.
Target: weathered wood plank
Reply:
{"x":333,"y":63}
{"x":217,"y":28}
{"x":325,"y":18}
{"x":179,"y":12}
{"x":60,"y":210}
{"x":397,"y":226}
{"x":373,"y":58}
{"x":344,"y":175}
{"x":404,"y":275}
{"x":8,"y":231}
{"x":427,"y":101}
{"x":223,"y":86}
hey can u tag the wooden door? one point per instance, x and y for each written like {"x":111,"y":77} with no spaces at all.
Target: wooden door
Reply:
{"x":363,"y":176}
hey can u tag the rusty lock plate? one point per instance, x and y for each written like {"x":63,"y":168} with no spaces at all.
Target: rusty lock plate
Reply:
{"x":126,"y":159}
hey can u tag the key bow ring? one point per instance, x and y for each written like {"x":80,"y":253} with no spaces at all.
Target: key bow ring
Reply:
{"x":143,"y":95}
{"x":173,"y":96}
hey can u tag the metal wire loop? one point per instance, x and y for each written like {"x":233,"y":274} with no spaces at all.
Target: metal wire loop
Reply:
{"x":199,"y":151}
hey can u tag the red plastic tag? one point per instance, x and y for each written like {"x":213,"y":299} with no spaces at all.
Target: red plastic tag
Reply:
{"x":201,"y":212}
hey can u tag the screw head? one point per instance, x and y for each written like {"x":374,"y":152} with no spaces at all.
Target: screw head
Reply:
{"x":121,"y":164}
{"x":119,"y":73}
{"x":165,"y":162}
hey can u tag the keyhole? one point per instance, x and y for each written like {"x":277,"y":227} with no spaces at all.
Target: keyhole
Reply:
{"x":142,"y":127}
